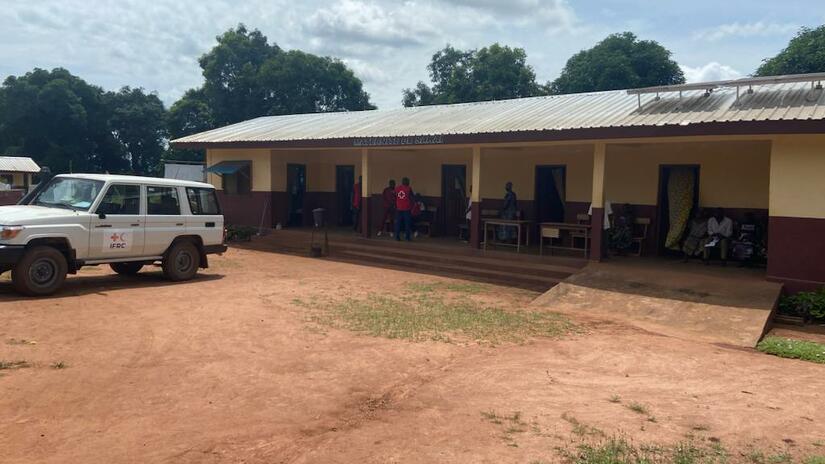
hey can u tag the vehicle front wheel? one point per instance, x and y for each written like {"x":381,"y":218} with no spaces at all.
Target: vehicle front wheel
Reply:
{"x":126,"y":268}
{"x":41,"y":272}
{"x":181,"y":262}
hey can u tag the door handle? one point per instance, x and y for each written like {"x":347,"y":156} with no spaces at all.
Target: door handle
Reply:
{"x":102,"y":226}
{"x":210,"y":224}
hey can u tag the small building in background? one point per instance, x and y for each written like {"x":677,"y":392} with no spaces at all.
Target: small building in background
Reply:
{"x":185,"y":170}
{"x":15,"y":177}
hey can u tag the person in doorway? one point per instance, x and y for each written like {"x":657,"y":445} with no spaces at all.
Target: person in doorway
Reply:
{"x":388,"y":196}
{"x":356,"y":205}
{"x":697,"y":231}
{"x":720,"y":228}
{"x":508,"y":211}
{"x":403,"y":208}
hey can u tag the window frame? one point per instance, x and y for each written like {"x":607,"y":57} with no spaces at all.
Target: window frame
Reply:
{"x":195,"y":190}
{"x":174,"y":188}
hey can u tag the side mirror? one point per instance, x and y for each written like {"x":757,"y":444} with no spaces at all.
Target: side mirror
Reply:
{"x":101,"y":216}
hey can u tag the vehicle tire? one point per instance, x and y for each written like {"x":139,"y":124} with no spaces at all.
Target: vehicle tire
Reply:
{"x":40,"y":272}
{"x":126,"y":268}
{"x":182,"y":261}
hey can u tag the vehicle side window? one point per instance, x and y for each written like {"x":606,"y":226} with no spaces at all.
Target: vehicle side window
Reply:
{"x":120,"y":200}
{"x":202,"y":201}
{"x":162,"y":201}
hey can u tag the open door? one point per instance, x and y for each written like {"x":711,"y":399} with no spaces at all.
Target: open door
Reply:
{"x":678,"y":196}
{"x":296,"y":186}
{"x":453,"y":197}
{"x":549,"y":195}
{"x":344,"y":183}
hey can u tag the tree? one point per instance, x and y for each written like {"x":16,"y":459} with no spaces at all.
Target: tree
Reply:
{"x":245,"y":77}
{"x":805,"y":53}
{"x":490,"y":73}
{"x":138,"y":122}
{"x":58,"y":119}
{"x":621,"y":61}
{"x":189,"y":115}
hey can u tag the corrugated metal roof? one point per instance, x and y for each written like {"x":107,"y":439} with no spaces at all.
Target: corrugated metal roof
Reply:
{"x":18,"y":164}
{"x":611,"y":109}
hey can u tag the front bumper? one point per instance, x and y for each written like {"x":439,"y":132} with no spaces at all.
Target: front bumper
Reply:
{"x":10,"y":255}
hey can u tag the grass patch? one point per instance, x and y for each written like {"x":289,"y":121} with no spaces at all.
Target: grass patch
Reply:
{"x":638,"y":408}
{"x":21,"y":341}
{"x":814,"y":460}
{"x":9,"y":365}
{"x":615,"y":399}
{"x":619,"y":450}
{"x":59,"y":365}
{"x":439,"y":311}
{"x":795,"y":349}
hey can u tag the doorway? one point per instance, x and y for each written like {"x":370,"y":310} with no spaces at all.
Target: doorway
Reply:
{"x":296,"y":186}
{"x":453,"y":197}
{"x":344,"y":183}
{"x":550,"y":193}
{"x":678,"y":197}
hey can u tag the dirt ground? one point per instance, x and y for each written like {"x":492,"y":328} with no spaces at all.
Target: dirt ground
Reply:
{"x":227,"y":368}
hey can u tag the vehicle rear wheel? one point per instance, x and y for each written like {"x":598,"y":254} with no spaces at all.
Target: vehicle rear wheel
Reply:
{"x":126,"y":268}
{"x":40,"y":272}
{"x":181,"y":262}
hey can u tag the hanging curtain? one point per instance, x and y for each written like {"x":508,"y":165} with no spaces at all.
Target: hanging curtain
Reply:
{"x":558,"y":181}
{"x":680,"y":186}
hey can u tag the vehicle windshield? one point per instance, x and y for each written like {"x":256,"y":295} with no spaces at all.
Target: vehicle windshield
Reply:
{"x":69,"y":193}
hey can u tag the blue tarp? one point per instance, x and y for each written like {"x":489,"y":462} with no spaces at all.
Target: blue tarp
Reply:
{"x":227,"y":167}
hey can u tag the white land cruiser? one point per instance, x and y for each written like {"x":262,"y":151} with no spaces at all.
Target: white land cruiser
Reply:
{"x":77,"y":220}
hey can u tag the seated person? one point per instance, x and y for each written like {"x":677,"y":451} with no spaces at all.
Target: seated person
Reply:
{"x":621,"y":235}
{"x":720,"y":229}
{"x":697,"y":231}
{"x":748,"y":246}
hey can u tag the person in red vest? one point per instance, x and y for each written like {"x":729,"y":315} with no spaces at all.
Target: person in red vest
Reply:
{"x":356,"y":205}
{"x":389,"y":208}
{"x":403,"y":208}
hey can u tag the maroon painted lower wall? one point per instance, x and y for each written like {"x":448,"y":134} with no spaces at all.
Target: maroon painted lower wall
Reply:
{"x":246,"y":209}
{"x":10,"y":197}
{"x":796,"y":252}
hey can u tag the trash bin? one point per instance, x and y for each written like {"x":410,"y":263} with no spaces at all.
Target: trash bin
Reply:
{"x":318,"y":217}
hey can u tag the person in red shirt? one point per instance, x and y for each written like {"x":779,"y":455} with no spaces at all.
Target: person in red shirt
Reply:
{"x":389,"y":208}
{"x":403,"y":206}
{"x":356,"y":204}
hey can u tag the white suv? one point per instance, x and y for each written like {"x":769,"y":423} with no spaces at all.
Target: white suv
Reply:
{"x":77,"y":220}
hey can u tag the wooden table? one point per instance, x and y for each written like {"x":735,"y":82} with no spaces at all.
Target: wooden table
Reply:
{"x":517,"y":223}
{"x":563,"y":226}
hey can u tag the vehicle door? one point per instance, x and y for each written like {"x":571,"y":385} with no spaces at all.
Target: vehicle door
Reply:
{"x":163,"y":218}
{"x":204,"y":216}
{"x":117,"y":225}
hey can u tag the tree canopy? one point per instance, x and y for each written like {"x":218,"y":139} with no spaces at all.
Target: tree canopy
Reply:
{"x":490,"y":73}
{"x":805,"y":53}
{"x":67,"y":124}
{"x":620,"y":61}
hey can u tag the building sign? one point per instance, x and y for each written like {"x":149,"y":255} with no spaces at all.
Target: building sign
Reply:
{"x":395,"y":141}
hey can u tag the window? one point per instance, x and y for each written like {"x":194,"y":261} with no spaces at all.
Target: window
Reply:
{"x":238,"y":182}
{"x":70,"y":193}
{"x":6,"y":181}
{"x":120,"y":199}
{"x":162,"y":201}
{"x":203,"y":201}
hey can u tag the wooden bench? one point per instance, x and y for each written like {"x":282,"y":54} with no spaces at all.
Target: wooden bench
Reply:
{"x":643,"y":224}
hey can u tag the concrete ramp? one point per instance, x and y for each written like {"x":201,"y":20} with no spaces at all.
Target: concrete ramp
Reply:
{"x":713,"y":304}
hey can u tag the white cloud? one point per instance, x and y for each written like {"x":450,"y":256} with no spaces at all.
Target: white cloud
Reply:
{"x":756,"y":29}
{"x":712,"y":71}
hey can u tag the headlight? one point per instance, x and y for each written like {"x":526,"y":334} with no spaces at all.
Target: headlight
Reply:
{"x":9,"y":232}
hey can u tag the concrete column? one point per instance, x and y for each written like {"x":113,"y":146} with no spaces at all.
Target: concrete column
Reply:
{"x":475,"y":218}
{"x":598,"y":238}
{"x":365,"y":194}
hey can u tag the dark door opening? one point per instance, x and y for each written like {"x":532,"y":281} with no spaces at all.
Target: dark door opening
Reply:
{"x":453,"y":197}
{"x":550,"y":193}
{"x":296,"y":186}
{"x":678,"y":197}
{"x":344,"y":184}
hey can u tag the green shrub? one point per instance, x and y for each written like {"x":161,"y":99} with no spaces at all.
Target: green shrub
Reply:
{"x":809,"y":305}
{"x":239,"y":233}
{"x":797,"y":349}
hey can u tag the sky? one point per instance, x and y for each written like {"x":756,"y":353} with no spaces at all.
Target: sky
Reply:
{"x":155,"y":44}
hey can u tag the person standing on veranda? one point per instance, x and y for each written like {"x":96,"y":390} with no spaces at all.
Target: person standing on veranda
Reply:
{"x":388,"y":196}
{"x":403,"y":209}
